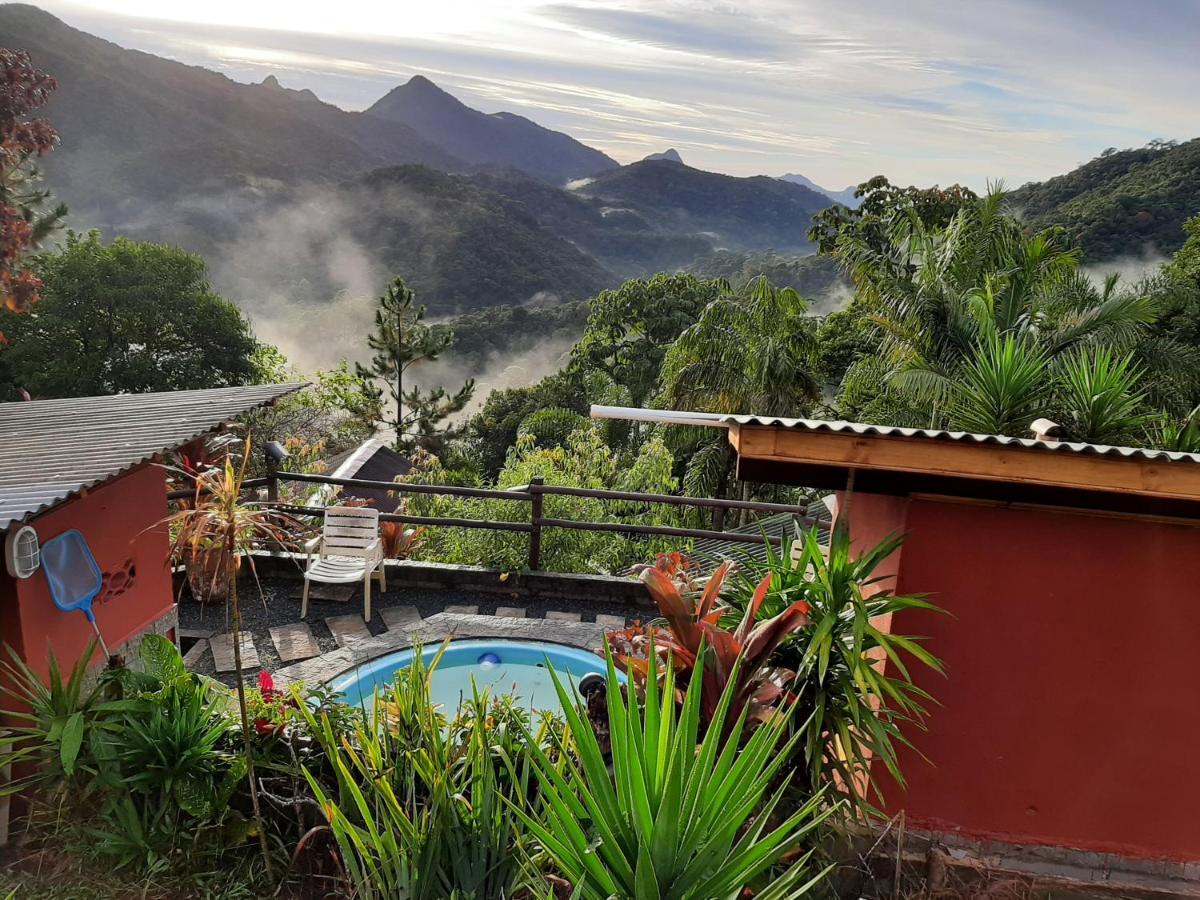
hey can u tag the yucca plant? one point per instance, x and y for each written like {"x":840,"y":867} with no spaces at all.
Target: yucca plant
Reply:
{"x":1099,"y":397}
{"x":221,"y":522}
{"x":684,"y":812}
{"x":425,"y":807}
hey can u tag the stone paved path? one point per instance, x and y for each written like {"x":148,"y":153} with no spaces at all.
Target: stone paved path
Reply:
{"x":462,"y":609}
{"x":222,"y":650}
{"x":346,"y":629}
{"x":511,"y":612}
{"x":557,"y":615}
{"x":294,"y":641}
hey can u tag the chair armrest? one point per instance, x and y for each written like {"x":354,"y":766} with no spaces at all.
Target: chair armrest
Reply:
{"x":312,"y":544}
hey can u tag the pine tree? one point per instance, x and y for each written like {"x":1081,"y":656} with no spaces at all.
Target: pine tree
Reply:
{"x":402,"y":341}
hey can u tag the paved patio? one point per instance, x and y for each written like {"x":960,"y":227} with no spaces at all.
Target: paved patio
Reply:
{"x":334,"y":636}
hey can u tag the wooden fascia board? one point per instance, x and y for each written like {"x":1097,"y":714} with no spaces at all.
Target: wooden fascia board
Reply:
{"x":991,"y":462}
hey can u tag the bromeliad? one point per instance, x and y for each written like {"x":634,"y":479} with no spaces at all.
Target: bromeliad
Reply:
{"x":694,"y":640}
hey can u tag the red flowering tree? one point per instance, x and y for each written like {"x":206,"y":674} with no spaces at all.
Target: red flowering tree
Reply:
{"x":24,"y":222}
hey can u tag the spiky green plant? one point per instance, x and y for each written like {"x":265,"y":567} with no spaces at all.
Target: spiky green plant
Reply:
{"x":1100,"y":400}
{"x":683,"y":812}
{"x":425,"y":808}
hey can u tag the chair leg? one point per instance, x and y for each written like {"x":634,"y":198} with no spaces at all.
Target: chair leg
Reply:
{"x":383,"y":576}
{"x":367,"y":598}
{"x":304,"y":602}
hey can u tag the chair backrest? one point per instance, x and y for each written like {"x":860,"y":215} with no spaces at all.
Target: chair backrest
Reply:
{"x":349,"y":530}
{"x":71,"y":571}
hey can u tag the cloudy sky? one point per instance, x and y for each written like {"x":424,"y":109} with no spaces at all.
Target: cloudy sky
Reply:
{"x":923,"y":91}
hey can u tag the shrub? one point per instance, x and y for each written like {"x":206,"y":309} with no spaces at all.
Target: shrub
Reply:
{"x":856,"y":692}
{"x":684,"y":812}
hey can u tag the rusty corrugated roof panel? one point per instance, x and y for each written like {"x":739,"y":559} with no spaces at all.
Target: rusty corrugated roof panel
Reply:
{"x":50,"y":450}
{"x":964,"y":437}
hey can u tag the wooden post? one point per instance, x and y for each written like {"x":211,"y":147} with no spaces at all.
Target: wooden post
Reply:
{"x":535,"y":519}
{"x":272,"y":479}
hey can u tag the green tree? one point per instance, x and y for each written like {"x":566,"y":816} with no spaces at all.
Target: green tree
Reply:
{"x":629,"y":329}
{"x":749,"y":353}
{"x":336,"y":413}
{"x":403,"y":342}
{"x":972,"y":310}
{"x":125,"y":317}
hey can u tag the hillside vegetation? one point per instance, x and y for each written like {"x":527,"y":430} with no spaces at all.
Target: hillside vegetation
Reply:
{"x":1122,"y":203}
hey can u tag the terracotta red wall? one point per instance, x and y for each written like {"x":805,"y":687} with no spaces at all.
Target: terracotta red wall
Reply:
{"x":1068,"y":715}
{"x":120,"y":521}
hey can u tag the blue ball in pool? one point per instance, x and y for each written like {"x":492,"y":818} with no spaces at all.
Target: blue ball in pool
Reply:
{"x":488,"y":660}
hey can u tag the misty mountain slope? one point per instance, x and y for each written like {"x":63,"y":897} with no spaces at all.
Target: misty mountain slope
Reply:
{"x":845,"y":196}
{"x":460,"y":246}
{"x":739,"y":213}
{"x":624,"y":242}
{"x":137,"y":129}
{"x":1121,"y":203}
{"x":479,"y":138}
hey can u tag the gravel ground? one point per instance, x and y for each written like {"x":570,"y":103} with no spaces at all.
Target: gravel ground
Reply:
{"x":280,"y":605}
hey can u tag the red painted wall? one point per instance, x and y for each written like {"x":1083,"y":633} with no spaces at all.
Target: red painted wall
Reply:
{"x":1068,"y":715}
{"x":120,"y":521}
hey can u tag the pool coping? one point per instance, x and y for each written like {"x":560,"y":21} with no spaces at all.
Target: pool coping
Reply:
{"x":581,"y":635}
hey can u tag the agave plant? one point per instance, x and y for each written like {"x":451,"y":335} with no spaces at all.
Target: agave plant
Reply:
{"x":684,"y":811}
{"x":702,"y":650}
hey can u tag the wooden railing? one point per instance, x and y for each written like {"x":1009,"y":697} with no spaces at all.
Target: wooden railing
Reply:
{"x":533,"y":495}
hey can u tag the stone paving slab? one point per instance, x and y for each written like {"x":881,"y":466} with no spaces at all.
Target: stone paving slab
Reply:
{"x":196,"y":634}
{"x":294,"y":641}
{"x":195,"y":653}
{"x":610,"y":621}
{"x":339,"y":593}
{"x":222,"y":650}
{"x":558,"y":615}
{"x":584,"y":635}
{"x":399,"y":616}
{"x":347,"y":629}
{"x":511,"y":612}
{"x":463,"y":609}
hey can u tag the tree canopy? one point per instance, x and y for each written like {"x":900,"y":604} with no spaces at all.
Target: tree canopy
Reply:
{"x":124,"y":317}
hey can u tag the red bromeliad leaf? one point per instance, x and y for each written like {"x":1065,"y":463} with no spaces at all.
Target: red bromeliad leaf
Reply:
{"x":712,"y":590}
{"x":770,"y":634}
{"x":747,"y":623}
{"x":674,"y":608}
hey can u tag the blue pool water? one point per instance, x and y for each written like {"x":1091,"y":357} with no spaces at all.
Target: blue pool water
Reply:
{"x":502,"y":666}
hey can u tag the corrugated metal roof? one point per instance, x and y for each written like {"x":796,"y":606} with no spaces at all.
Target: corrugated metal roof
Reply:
{"x":966,"y":437}
{"x":52,"y":449}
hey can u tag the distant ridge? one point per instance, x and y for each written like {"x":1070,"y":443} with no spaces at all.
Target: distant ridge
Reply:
{"x":668,"y":155}
{"x":845,"y":197}
{"x":483,"y":139}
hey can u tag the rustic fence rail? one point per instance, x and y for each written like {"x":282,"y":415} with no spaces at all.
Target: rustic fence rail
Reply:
{"x":532,"y":494}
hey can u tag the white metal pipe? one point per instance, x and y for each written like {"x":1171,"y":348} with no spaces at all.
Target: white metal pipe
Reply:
{"x":660,"y":416}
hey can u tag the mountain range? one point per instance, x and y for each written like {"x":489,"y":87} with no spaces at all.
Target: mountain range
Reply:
{"x":291,"y":196}
{"x":474,"y":208}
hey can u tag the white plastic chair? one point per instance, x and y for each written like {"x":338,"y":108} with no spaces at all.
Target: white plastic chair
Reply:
{"x":349,"y":549}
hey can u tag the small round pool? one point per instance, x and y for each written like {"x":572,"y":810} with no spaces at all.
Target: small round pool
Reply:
{"x":517,"y":667}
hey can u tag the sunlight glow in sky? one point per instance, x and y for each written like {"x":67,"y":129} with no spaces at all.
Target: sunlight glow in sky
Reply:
{"x":923,"y":91}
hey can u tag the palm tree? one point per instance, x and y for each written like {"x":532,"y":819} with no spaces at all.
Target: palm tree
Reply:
{"x":744,"y":354}
{"x":973,"y":315}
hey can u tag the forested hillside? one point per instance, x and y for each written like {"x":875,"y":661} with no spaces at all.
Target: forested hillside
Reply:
{"x":740,"y":213}
{"x":1123,"y":203}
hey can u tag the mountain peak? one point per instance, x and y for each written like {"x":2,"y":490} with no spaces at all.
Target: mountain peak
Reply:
{"x":271,"y":81}
{"x":668,"y":155}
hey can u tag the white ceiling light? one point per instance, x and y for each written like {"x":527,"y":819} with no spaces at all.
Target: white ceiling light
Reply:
{"x":22,"y":553}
